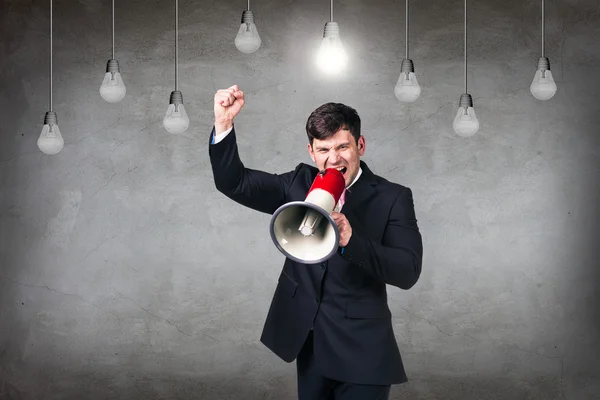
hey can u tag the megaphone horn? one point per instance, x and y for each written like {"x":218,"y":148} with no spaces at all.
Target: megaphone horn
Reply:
{"x":304,"y":230}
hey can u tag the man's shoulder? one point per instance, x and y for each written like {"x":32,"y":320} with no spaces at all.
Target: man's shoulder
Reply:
{"x":301,"y":173}
{"x":392,"y":188}
{"x":303,"y":168}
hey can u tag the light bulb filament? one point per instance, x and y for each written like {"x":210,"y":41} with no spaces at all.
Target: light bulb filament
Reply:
{"x":51,"y":133}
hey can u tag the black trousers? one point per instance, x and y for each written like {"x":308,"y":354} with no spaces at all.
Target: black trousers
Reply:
{"x":313,"y":386}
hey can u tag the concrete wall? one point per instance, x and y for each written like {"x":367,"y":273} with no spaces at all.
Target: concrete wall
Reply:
{"x":125,"y":274}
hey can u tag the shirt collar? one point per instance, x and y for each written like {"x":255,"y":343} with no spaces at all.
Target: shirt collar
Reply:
{"x":357,"y":176}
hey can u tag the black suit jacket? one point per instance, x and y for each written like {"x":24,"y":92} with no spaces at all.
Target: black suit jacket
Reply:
{"x":344,"y":300}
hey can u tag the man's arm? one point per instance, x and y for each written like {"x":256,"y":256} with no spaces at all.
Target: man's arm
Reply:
{"x":256,"y":189}
{"x":216,"y":138}
{"x":397,"y":260}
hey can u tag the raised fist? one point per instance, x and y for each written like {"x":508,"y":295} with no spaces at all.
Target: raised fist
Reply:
{"x":228,"y":103}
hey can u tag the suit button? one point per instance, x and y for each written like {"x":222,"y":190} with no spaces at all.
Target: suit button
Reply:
{"x":318,"y":300}
{"x":322,"y":265}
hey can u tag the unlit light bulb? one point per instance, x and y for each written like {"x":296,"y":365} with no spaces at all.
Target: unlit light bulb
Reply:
{"x":407,"y":88}
{"x":176,"y":120}
{"x":543,"y":86}
{"x":465,"y":123}
{"x":332,"y":57}
{"x":112,"y":88}
{"x":50,"y":141}
{"x":247,"y":40}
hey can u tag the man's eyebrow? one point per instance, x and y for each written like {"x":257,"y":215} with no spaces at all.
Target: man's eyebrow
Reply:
{"x":342,"y":144}
{"x":327,"y":148}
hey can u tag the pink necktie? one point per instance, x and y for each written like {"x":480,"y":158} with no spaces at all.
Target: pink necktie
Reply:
{"x":342,"y":199}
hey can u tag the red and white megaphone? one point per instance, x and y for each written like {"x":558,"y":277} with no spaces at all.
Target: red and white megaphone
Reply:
{"x":304,"y":230}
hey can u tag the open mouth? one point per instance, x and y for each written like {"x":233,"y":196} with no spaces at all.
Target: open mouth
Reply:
{"x":342,"y":170}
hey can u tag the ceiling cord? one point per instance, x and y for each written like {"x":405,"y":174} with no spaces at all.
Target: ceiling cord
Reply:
{"x":50,"y":55}
{"x":466,"y":47}
{"x":406,"y":17}
{"x":176,"y":43}
{"x":113,"y":29}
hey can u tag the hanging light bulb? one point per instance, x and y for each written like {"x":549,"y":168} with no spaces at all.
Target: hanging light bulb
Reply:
{"x":50,"y":140}
{"x":176,"y":120}
{"x":332,"y":57}
{"x":112,"y":88}
{"x":465,"y":123}
{"x":543,"y":86}
{"x":247,"y":40}
{"x":407,"y":88}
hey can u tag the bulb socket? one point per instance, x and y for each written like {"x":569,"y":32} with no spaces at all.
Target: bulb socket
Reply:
{"x":247,"y":17}
{"x":543,"y":64}
{"x":176,"y":97}
{"x":465,"y":100}
{"x":50,"y":118}
{"x":407,"y":66}
{"x":331,"y":29}
{"x":112,"y":65}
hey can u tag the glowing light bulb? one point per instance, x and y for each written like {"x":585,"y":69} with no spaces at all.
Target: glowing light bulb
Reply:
{"x":543,"y":86}
{"x":50,"y":141}
{"x":465,"y":123}
{"x":407,"y":88}
{"x":176,"y":120}
{"x":332,"y":57}
{"x":112,"y":88}
{"x":247,"y":40}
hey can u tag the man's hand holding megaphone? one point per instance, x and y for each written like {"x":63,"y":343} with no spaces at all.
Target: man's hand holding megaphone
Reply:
{"x":228,"y":103}
{"x":343,"y":226}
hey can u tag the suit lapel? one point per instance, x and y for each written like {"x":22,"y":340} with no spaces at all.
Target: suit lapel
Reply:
{"x":362,"y":189}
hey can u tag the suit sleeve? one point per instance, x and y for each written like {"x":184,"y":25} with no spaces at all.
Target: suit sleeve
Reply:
{"x":259,"y":190}
{"x":397,"y":260}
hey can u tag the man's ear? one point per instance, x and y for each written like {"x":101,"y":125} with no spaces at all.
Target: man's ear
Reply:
{"x":362,"y":145}
{"x":310,"y":152}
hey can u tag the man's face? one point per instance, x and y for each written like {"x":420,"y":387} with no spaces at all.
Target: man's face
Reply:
{"x":340,"y":152}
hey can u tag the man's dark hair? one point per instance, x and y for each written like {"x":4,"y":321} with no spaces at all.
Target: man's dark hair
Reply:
{"x":329,"y":118}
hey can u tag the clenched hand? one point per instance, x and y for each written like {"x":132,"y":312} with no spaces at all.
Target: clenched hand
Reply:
{"x":227,"y":105}
{"x":343,"y":226}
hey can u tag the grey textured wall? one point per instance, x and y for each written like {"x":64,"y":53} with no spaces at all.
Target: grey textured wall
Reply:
{"x":125,"y":274}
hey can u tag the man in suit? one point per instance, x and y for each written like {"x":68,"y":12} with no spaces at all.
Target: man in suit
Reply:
{"x":333,"y":317}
